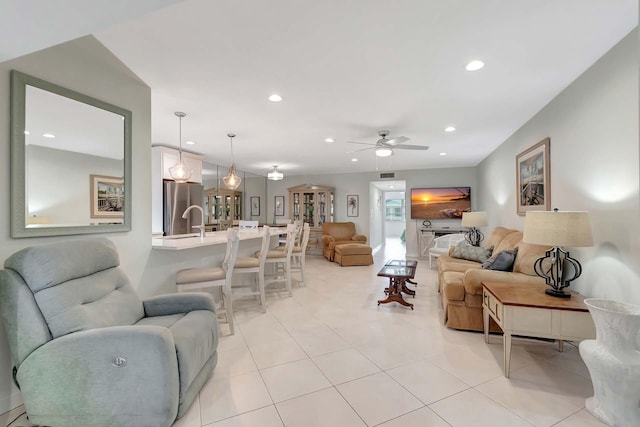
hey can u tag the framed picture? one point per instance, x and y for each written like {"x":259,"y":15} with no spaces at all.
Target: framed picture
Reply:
{"x":353,"y":204}
{"x":279,"y":206}
{"x":255,"y":205}
{"x":107,"y":196}
{"x":533,"y":181}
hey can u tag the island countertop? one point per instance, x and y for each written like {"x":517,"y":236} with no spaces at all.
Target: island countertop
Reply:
{"x":188,"y":241}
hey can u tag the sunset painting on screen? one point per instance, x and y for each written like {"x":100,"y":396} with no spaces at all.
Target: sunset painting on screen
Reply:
{"x":440,"y":203}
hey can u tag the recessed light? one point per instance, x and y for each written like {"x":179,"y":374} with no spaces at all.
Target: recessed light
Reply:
{"x":26,"y":132}
{"x":443,"y":154}
{"x":48,"y":135}
{"x":190,"y":142}
{"x":275,"y":98}
{"x":449,"y":129}
{"x":329,"y":140}
{"x":354,"y":160}
{"x":391,"y":186}
{"x":474,"y":65}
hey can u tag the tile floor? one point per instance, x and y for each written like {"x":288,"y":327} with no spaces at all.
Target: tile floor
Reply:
{"x":329,"y":356}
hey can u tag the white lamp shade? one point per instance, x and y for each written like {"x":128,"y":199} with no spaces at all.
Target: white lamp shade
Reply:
{"x":275,"y":174}
{"x":475,"y":219}
{"x":557,"y":228}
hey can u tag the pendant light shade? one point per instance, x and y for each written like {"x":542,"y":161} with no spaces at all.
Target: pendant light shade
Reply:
{"x":180,"y":172}
{"x":275,"y":174}
{"x":232,"y":180}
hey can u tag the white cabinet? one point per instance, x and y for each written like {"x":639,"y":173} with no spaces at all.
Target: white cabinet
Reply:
{"x":162,"y":158}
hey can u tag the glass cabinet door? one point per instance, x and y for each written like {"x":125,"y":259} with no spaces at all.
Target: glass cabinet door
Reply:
{"x":207,"y":209}
{"x":237,"y":207}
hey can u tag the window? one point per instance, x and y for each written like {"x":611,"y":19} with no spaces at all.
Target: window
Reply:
{"x":394,"y":209}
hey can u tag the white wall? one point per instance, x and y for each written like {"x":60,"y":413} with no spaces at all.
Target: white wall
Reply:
{"x":593,"y":126}
{"x":83,"y":65}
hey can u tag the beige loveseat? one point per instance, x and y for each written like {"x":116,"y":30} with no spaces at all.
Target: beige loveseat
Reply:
{"x":460,"y":280}
{"x":338,"y":233}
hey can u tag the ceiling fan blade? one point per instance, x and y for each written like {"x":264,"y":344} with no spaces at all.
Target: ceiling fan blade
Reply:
{"x":396,"y":141}
{"x":361,"y":143}
{"x":362,"y":149}
{"x":412,"y":147}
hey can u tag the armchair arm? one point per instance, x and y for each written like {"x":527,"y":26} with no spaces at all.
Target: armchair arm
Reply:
{"x":359,"y":238}
{"x":186,"y":302}
{"x":75,"y":377}
{"x":326,"y":239}
{"x":473,"y":279}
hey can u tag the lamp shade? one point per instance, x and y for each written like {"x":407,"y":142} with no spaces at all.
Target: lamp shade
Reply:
{"x":557,"y":228}
{"x":475,"y":219}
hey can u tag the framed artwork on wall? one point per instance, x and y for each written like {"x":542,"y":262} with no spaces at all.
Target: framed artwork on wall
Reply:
{"x":533,"y":180}
{"x":107,"y":196}
{"x":279,"y":206}
{"x":255,"y":205}
{"x":353,"y":204}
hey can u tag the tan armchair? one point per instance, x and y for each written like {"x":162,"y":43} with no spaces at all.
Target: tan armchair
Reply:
{"x":337,"y":233}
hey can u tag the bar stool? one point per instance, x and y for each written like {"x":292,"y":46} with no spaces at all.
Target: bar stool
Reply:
{"x":298,"y":254}
{"x":197,"y":278}
{"x":280,"y":258}
{"x":246,"y":265}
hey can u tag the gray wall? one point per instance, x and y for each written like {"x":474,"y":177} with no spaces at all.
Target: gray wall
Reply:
{"x":593,"y":126}
{"x":83,"y":65}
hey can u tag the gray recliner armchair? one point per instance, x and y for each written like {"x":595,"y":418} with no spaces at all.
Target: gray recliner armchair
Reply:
{"x":88,"y":352}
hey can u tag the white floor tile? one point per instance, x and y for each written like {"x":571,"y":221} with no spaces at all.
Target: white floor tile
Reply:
{"x":319,"y":409}
{"x":224,"y":397}
{"x":423,"y":417}
{"x":542,"y":394}
{"x":472,"y":408}
{"x":294,"y":379}
{"x":345,"y":365}
{"x":319,"y":340}
{"x":264,"y":417}
{"x":378,"y":398}
{"x":275,"y":353}
{"x":192,"y":417}
{"x":471,"y":368}
{"x":581,"y":419}
{"x":427,"y":382}
{"x":235,"y":362}
{"x":232,"y":342}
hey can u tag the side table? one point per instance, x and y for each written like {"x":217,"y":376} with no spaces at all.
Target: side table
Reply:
{"x":526,"y":310}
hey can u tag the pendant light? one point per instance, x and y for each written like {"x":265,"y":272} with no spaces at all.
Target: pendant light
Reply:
{"x":232,"y":180}
{"x":180,"y":172}
{"x":275,"y":174}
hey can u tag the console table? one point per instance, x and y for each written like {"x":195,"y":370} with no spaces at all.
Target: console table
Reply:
{"x":526,"y":310}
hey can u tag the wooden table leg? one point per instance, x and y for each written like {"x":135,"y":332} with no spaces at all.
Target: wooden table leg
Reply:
{"x":485,"y":318}
{"x":507,"y":353}
{"x":393,"y":294}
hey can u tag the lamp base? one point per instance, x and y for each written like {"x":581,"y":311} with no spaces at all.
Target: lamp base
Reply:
{"x":556,"y":293}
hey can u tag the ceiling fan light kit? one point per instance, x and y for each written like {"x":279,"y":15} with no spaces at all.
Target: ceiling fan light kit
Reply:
{"x":384,"y":152}
{"x":180,"y":172}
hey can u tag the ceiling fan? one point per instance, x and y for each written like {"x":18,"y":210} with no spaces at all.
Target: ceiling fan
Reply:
{"x":384,"y":147}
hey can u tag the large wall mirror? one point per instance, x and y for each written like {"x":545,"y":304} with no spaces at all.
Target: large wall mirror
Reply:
{"x":70,"y":161}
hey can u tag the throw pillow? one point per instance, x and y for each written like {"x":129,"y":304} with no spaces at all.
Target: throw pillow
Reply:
{"x":502,"y":261}
{"x":463,"y":250}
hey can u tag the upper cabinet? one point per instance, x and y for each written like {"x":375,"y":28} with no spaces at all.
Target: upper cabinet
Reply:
{"x":312,"y":204}
{"x":166,"y":157}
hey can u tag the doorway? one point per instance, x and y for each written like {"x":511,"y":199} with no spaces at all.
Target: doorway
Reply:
{"x":388,"y":223}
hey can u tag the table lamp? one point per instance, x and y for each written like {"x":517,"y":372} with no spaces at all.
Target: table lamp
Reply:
{"x":555,"y":228}
{"x":473,"y":220}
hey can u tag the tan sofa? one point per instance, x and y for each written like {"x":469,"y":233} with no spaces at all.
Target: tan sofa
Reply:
{"x":460,"y":281}
{"x":337,"y":233}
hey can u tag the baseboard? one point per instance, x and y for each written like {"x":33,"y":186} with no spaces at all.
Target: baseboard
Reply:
{"x":10,"y":402}
{"x":376,"y":249}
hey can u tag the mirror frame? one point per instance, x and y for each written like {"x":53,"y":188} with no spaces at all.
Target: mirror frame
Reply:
{"x":19,"y":228}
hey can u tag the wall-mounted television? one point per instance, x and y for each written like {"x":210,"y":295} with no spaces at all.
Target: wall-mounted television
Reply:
{"x":440,"y":203}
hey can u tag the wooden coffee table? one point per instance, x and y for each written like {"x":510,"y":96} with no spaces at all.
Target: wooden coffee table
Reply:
{"x":399,"y":273}
{"x":526,"y":310}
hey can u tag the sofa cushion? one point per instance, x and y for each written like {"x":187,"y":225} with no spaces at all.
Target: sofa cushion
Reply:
{"x":454,"y":291}
{"x":527,"y":256}
{"x":339,"y":230}
{"x":502,"y":261}
{"x":497,"y":235}
{"x":353,"y":249}
{"x":510,"y":241}
{"x":464,"y":250}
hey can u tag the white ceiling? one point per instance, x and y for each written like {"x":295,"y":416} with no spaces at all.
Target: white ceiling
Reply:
{"x":349,"y":68}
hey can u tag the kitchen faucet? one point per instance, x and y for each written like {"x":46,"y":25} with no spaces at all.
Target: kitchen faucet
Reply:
{"x":201,"y":226}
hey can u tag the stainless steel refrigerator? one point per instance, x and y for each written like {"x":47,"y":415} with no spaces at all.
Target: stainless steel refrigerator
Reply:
{"x":176,"y":199}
